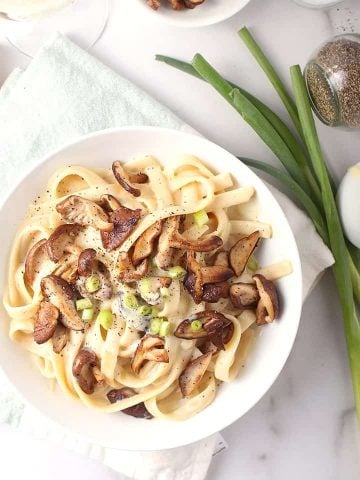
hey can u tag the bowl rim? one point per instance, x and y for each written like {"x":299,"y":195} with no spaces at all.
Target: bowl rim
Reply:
{"x":187,"y":23}
{"x":296,"y":260}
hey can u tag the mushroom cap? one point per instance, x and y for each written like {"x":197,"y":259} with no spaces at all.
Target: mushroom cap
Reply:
{"x":212,"y":292}
{"x":268,"y":307}
{"x":109,"y":203}
{"x":84,"y":363}
{"x":139,"y":410}
{"x":35,"y":257}
{"x":241,"y":251}
{"x":151,"y":348}
{"x":45,"y":322}
{"x":124,"y":221}
{"x":76,"y":209}
{"x":193,"y":374}
{"x":215,"y":326}
{"x":86,"y":262}
{"x":60,"y":294}
{"x":244,"y":295}
{"x":60,"y":238}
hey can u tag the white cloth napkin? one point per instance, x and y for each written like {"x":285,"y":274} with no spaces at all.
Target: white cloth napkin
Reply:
{"x":65,"y":93}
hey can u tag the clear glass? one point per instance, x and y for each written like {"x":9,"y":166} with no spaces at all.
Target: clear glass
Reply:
{"x":83,"y":21}
{"x":332,"y":78}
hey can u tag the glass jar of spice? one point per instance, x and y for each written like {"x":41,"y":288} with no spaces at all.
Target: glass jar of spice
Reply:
{"x":333,"y":81}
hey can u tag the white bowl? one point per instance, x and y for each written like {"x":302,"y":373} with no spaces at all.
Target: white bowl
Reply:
{"x":271,"y":349}
{"x":208,"y":13}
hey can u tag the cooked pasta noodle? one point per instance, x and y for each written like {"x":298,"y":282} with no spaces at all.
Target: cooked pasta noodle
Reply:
{"x":183,"y":188}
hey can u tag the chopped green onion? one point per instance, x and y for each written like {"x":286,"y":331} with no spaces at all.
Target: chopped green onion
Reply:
{"x":176,"y":273}
{"x":144,"y":286}
{"x":105,"y":318}
{"x":252,"y":263}
{"x":155,"y":325}
{"x":83,"y":303}
{"x":130,"y":301}
{"x":92,"y":283}
{"x":153,"y":263}
{"x":164,"y":328}
{"x":154,"y":312}
{"x":201,"y":218}
{"x":164,"y":292}
{"x":196,"y":325}
{"x":87,"y":314}
{"x":144,"y":310}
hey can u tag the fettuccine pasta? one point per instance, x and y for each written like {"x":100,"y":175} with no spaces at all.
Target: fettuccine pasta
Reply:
{"x":137,"y":289}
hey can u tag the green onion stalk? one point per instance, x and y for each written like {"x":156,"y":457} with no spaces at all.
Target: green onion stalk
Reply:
{"x":304,"y":173}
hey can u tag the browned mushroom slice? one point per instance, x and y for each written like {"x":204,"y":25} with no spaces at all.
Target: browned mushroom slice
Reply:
{"x":139,"y":410}
{"x":127,"y":272}
{"x":222,"y":259}
{"x":154,"y":4}
{"x":83,"y":370}
{"x":138,"y":177}
{"x":60,"y":338}
{"x":215,"y":326}
{"x":75,"y":209}
{"x":109,"y":203}
{"x":61,"y":237}
{"x":206,"y":346}
{"x":268,"y":307}
{"x":199,"y":275}
{"x":145,"y":243}
{"x":45,"y":322}
{"x":124,"y":180}
{"x":241,"y":251}
{"x":192,"y":3}
{"x":86,"y":262}
{"x":244,"y":295}
{"x":124,"y":220}
{"x":36,"y":256}
{"x":60,"y":294}
{"x":193,"y":374}
{"x":176,"y":4}
{"x":150,"y":348}
{"x":213,"y":292}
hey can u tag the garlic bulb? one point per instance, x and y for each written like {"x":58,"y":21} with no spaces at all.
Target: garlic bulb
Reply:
{"x":29,"y":9}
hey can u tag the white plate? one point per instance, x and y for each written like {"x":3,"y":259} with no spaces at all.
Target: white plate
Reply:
{"x":272,"y":347}
{"x":208,"y":13}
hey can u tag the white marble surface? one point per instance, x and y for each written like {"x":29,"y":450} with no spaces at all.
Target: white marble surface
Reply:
{"x":304,"y":428}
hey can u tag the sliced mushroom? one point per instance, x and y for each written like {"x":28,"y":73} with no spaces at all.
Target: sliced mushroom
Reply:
{"x":215,"y":326}
{"x":145,"y":243}
{"x":165,"y":253}
{"x":193,"y":374}
{"x":83,"y":370}
{"x":86,"y":262}
{"x":244,"y":295}
{"x":199,"y":275}
{"x":36,"y":256}
{"x":124,"y":179}
{"x":45,"y":322}
{"x":60,"y":294}
{"x":60,"y":338}
{"x":206,"y":346}
{"x":109,"y":203}
{"x":192,"y":3}
{"x":213,"y":292}
{"x":241,"y":251}
{"x":75,"y":209}
{"x":127,"y":272}
{"x":268,"y":307}
{"x":139,"y":410}
{"x":62,"y":237}
{"x":151,"y":348}
{"x":138,"y":177}
{"x":154,"y":4}
{"x":124,"y":220}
